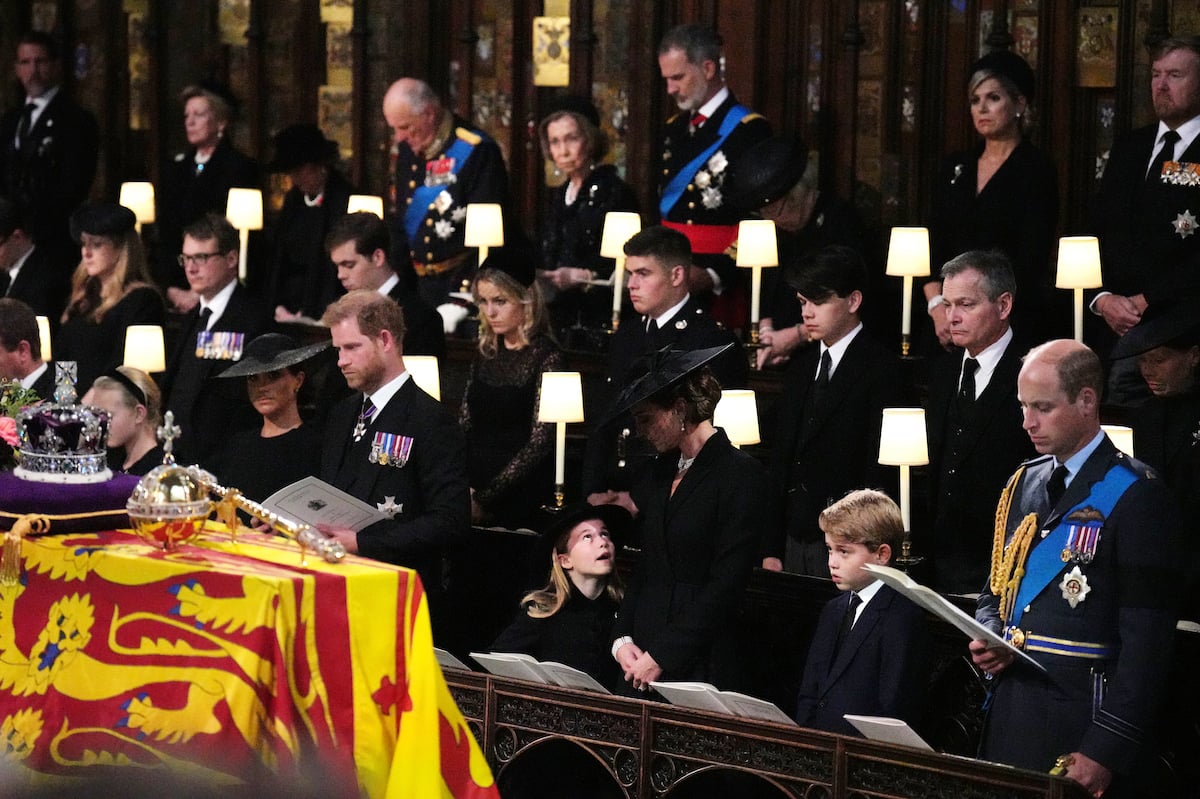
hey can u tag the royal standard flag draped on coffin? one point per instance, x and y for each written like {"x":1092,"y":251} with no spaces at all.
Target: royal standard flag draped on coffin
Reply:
{"x":226,"y":663}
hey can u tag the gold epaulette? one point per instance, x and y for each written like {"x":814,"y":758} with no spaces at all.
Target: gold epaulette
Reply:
{"x":1008,"y":563}
{"x":750,"y":116}
{"x":469,"y":137}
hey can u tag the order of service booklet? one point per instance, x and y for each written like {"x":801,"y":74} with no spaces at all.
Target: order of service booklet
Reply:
{"x":943,"y":608}
{"x":704,"y":696}
{"x":888,"y":730}
{"x":313,"y":501}
{"x":526,"y":667}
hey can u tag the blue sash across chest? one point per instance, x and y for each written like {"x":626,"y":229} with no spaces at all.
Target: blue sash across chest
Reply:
{"x":674,"y":190}
{"x":1045,"y":560}
{"x":460,"y":151}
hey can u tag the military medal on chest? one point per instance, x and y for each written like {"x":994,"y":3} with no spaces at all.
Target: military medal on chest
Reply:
{"x":1083,"y":536}
{"x":1074,"y":587}
{"x":440,"y":172}
{"x":390,"y":449}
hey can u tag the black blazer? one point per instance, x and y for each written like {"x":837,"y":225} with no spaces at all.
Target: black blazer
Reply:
{"x":431,"y":489}
{"x":839,"y":452}
{"x":424,"y":332}
{"x":209,"y":408}
{"x":879,"y":671}
{"x":1134,"y":581}
{"x":44,"y":385}
{"x":965,"y":481}
{"x":699,"y":548}
{"x":43,"y":284}
{"x":54,"y":176}
{"x":1139,"y":246}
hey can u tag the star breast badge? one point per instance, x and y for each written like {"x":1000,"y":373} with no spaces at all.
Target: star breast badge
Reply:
{"x":1074,"y":587}
{"x":390,"y":507}
{"x":1184,"y":224}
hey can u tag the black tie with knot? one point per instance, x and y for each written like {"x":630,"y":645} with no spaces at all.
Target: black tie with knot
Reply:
{"x":25,"y":125}
{"x":1165,"y":153}
{"x":1056,"y":486}
{"x":966,"y":388}
{"x":847,"y":622}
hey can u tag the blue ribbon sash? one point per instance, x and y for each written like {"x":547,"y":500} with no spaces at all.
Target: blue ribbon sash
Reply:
{"x":674,"y":190}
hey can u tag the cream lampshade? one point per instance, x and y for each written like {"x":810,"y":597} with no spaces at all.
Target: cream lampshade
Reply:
{"x":560,"y":400}
{"x":485,"y":228}
{"x":619,"y":227}
{"x":903,"y":443}
{"x":757,"y":247}
{"x":144,"y":348}
{"x":244,"y":210}
{"x":370,"y":203}
{"x":908,"y":257}
{"x":1121,"y":436}
{"x":1078,"y":269}
{"x":138,"y":196}
{"x":425,"y":373}
{"x":43,"y":323}
{"x":737,"y":415}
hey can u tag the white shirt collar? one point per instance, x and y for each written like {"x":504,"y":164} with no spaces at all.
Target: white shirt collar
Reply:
{"x":389,"y":284}
{"x":867,"y":594}
{"x":713,"y":104}
{"x":1076,"y":461}
{"x":1188,"y":132}
{"x":28,"y":380}
{"x":988,"y":360}
{"x":39,"y":103}
{"x":674,"y":309}
{"x":383,"y":395}
{"x":838,"y":349}
{"x":15,"y":269}
{"x":219,"y":302}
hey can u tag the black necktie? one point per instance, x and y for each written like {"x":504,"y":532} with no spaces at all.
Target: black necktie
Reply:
{"x":847,"y":622}
{"x":25,"y":125}
{"x":1056,"y":486}
{"x":652,"y":328}
{"x":1165,"y":153}
{"x":5,"y":282}
{"x":822,"y":381}
{"x":202,"y":320}
{"x":966,"y":389}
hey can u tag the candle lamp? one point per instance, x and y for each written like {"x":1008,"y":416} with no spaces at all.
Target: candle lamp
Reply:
{"x":903,"y":443}
{"x":43,"y":323}
{"x":560,"y":400}
{"x":1078,"y":269}
{"x":425,"y":373}
{"x":138,"y":196}
{"x":908,"y":257}
{"x":619,"y":227}
{"x":244,"y":210}
{"x":485,"y":228}
{"x":1121,"y":437}
{"x":370,"y":203}
{"x":757,"y":248}
{"x":144,"y":348}
{"x":737,"y":414}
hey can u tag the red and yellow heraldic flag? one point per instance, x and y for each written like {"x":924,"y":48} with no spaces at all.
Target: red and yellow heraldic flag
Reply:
{"x":226,"y":663}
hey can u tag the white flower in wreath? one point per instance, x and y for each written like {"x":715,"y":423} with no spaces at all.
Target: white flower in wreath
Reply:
{"x":444,"y":228}
{"x":711,"y":198}
{"x":702,"y":179}
{"x":443,"y":202}
{"x":717,"y":163}
{"x":459,"y":214}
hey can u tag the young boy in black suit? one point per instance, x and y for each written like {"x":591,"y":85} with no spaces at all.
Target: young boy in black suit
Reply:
{"x":867,"y":655}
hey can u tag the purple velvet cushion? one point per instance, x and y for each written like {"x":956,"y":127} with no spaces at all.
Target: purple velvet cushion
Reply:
{"x":103,"y":503}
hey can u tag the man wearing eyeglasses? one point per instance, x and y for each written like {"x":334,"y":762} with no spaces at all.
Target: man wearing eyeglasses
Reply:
{"x":214,"y":334}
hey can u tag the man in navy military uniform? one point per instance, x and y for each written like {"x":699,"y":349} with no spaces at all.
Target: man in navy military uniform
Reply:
{"x":443,"y":164}
{"x":711,"y":131}
{"x":1085,"y":584}
{"x":1145,"y":211}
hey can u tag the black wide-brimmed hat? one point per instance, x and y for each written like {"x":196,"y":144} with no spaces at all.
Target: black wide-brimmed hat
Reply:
{"x":1161,"y":324}
{"x":272,"y":351}
{"x":616,"y":519}
{"x":102,"y":219}
{"x":514,"y":259}
{"x":299,"y":144}
{"x":662,"y":369}
{"x":766,"y":172}
{"x":1009,"y":65}
{"x":574,"y":104}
